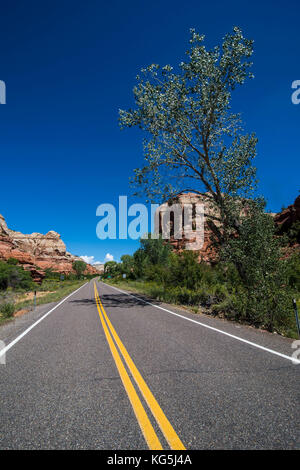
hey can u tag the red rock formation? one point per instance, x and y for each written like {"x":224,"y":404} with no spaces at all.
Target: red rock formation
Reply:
{"x":207,"y":253}
{"x":286,"y":218}
{"x":204,"y":247}
{"x":36,"y":251}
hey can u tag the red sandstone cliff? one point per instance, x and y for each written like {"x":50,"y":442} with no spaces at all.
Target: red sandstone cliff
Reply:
{"x":206,"y":251}
{"x":284,"y":220}
{"x":287,"y":217}
{"x":37,"y":252}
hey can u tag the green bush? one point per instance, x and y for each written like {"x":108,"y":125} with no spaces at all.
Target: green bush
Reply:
{"x":12,"y":261}
{"x":50,"y":274}
{"x":251,"y":283}
{"x":7,"y":310}
{"x":157,"y":273}
{"x":293,"y":272}
{"x":14,"y":276}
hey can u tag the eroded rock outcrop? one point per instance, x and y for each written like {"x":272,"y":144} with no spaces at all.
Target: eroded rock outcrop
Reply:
{"x":36,"y":251}
{"x":205,"y":249}
{"x":287,"y":217}
{"x":201,"y":243}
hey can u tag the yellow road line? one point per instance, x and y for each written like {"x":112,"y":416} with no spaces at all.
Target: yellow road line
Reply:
{"x":141,"y":415}
{"x":163,"y":422}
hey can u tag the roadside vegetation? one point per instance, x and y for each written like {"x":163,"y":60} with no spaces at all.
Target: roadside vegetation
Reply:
{"x":17,"y":288}
{"x":194,"y":140}
{"x":264,"y":300}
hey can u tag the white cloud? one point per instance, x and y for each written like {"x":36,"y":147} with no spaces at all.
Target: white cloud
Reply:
{"x":108,"y":257}
{"x":88,"y":259}
{"x":91,"y":259}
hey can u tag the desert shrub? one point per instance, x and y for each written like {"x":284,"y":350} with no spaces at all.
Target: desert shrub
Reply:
{"x":157,"y":292}
{"x":266,"y":308}
{"x":156,"y":273}
{"x":183,"y":296}
{"x":14,"y":276}
{"x":7,"y":310}
{"x":226,"y":307}
{"x":12,"y":261}
{"x":185,"y":270}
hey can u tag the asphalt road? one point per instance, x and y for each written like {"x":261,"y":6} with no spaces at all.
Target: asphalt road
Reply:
{"x":113,"y":372}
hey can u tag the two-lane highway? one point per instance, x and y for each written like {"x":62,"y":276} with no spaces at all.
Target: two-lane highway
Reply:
{"x":106,"y":370}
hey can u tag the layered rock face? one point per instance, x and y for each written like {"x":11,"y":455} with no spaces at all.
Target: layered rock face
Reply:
{"x":36,"y":251}
{"x":99,"y":267}
{"x":193,"y":237}
{"x":202,"y":243}
{"x":288,"y":222}
{"x":286,"y":218}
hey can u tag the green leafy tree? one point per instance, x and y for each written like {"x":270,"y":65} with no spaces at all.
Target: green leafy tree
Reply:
{"x":293,"y":267}
{"x":127,"y":266}
{"x":79,"y":267}
{"x":14,"y":276}
{"x":156,"y":250}
{"x":140,"y":263}
{"x":152,"y":252}
{"x":193,"y":140}
{"x":185,"y":270}
{"x":111,"y":268}
{"x":265,"y":298}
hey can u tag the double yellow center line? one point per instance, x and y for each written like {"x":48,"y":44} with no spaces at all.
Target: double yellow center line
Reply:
{"x":140,"y":413}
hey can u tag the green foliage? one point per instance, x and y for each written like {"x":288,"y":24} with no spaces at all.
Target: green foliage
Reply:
{"x":54,"y":275}
{"x":79,"y":267}
{"x":55,"y":289}
{"x":156,"y":251}
{"x":50,"y":274}
{"x":111,"y":269}
{"x":151,"y":260}
{"x":140,"y":264}
{"x":251,"y":284}
{"x":194,"y":143}
{"x":12,"y":261}
{"x":192,"y":139}
{"x":264,"y":298}
{"x":185,"y":270}
{"x":127,"y":265}
{"x":14,"y":276}
{"x":293,"y":271}
{"x":7,"y":310}
{"x":294,"y":233}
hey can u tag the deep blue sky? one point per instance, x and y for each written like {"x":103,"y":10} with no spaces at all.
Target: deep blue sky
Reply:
{"x":69,"y":66}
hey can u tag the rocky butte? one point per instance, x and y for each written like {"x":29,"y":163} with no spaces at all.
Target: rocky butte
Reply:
{"x":206,"y":252}
{"x":37,"y":252}
{"x":284,"y":220}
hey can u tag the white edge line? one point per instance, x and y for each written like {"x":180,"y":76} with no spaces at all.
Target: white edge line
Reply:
{"x":294,"y":360}
{"x":17,"y":339}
